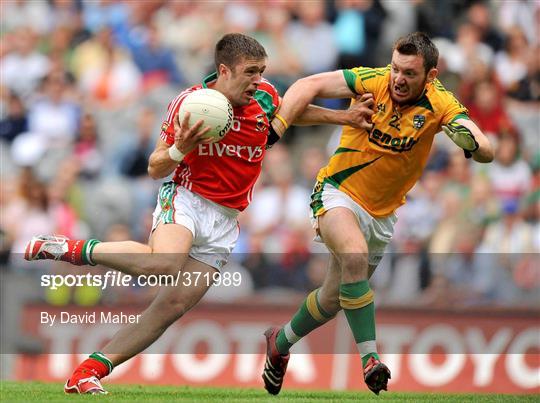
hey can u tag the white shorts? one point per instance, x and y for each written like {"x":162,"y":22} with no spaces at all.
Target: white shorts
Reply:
{"x":215,"y":228}
{"x":377,"y":231}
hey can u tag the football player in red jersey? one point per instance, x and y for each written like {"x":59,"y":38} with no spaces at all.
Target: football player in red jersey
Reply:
{"x":194,"y":224}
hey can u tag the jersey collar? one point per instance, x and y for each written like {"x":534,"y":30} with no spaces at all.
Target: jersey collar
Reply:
{"x":208,"y":79}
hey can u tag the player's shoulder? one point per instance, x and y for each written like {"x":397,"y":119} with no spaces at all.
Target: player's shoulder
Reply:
{"x":180,"y":97}
{"x":268,"y":87}
{"x":369,"y":73}
{"x":371,"y":79}
{"x":439,"y":96}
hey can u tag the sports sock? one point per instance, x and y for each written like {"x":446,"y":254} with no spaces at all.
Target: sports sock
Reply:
{"x":80,"y":251}
{"x":309,"y":316}
{"x":356,"y":299}
{"x":96,"y":364}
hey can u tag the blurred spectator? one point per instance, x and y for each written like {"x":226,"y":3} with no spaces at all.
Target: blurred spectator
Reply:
{"x":458,"y":173}
{"x":58,"y":46}
{"x":466,"y":48}
{"x":131,"y":157}
{"x":487,"y":109}
{"x":509,"y":174}
{"x":482,"y":207}
{"x":312,"y":159}
{"x":400,"y":20}
{"x":419,"y":217}
{"x":357,"y":29}
{"x":102,"y":13}
{"x":27,"y":213}
{"x":438,"y":157}
{"x":190,"y":29}
{"x":106,"y":72}
{"x":477,"y":71}
{"x":511,"y":63}
{"x":480,"y":16}
{"x":528,"y":88}
{"x":463,"y":269}
{"x":16,"y":121}
{"x":524,"y":14}
{"x":435,"y":17}
{"x":410,"y":272}
{"x":281,"y":207}
{"x":506,"y":250}
{"x":16,"y":14}
{"x":449,"y":226}
{"x":155,"y":62}
{"x":87,"y":148}
{"x":283,"y":63}
{"x":241,"y":16}
{"x":22,"y":69}
{"x":313,"y":38}
{"x":53,"y":115}
{"x":63,"y":12}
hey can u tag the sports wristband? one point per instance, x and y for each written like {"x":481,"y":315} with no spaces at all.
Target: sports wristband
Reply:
{"x":176,"y":154}
{"x":283,"y":121}
{"x":273,"y":138}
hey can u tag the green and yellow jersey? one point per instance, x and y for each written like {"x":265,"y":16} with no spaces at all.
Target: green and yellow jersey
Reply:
{"x":378,"y":168}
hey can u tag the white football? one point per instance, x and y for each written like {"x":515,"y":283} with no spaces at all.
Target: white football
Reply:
{"x":212,"y":107}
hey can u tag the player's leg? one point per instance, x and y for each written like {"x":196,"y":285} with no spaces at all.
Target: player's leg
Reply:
{"x":328,"y":304}
{"x":120,"y":255}
{"x":168,"y":306}
{"x":171,"y":303}
{"x":115,"y":255}
{"x":342,"y":234}
{"x":319,"y":307}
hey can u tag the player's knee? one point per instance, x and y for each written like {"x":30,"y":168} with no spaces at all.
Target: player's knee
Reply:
{"x":171,"y":310}
{"x":159,"y":265}
{"x":354,"y":263}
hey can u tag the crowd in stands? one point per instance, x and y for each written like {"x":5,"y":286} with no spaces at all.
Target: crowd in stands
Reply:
{"x":85,"y":84}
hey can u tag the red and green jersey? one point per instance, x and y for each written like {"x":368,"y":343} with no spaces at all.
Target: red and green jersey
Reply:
{"x":225,"y":172}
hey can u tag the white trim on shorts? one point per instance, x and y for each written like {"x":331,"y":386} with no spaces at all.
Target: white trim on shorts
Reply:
{"x":377,"y":231}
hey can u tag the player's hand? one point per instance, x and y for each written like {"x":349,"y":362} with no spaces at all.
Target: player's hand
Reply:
{"x":462,"y":136}
{"x":361,"y":111}
{"x":187,"y":138}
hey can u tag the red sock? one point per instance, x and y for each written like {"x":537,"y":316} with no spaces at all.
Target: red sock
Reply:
{"x":94,"y":367}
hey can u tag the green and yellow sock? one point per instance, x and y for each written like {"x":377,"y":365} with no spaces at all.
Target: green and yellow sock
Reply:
{"x":309,"y":317}
{"x":356,"y":299}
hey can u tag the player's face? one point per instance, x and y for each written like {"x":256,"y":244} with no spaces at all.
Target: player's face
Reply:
{"x":408,"y":77}
{"x":243,"y":80}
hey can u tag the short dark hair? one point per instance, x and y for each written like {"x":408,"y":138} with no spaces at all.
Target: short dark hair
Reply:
{"x":232,"y":48}
{"x":419,"y":43}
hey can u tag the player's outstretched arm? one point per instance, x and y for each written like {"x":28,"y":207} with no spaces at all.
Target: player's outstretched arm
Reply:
{"x":467,"y":135}
{"x":358,"y":115}
{"x":302,"y":92}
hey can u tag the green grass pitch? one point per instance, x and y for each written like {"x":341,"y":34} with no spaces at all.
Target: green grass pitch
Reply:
{"x":52,"y":392}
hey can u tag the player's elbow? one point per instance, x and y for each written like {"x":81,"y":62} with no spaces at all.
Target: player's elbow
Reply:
{"x":484,"y":157}
{"x":309,"y":86}
{"x":484,"y":154}
{"x":154,"y":172}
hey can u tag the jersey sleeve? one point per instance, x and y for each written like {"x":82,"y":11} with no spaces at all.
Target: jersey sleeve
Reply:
{"x":366,"y":79}
{"x":450,"y":107}
{"x":268,"y":98}
{"x":167,"y":127}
